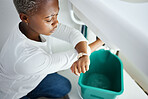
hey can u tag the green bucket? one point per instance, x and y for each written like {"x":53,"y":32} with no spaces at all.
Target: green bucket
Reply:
{"x":104,"y":80}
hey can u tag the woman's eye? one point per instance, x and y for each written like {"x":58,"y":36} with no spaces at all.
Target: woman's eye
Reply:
{"x":48,"y":21}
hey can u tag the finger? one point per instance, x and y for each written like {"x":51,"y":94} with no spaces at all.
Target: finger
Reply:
{"x":86,"y":67}
{"x":79,"y":67}
{"x":83,"y":68}
{"x":76,"y":70}
{"x":72,"y":68}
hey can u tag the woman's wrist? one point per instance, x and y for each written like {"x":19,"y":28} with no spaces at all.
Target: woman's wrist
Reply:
{"x":81,"y":55}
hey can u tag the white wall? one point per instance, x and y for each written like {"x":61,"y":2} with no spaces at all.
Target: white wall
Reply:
{"x":8,"y":18}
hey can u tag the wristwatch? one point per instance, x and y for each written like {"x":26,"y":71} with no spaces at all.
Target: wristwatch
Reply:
{"x":80,"y":55}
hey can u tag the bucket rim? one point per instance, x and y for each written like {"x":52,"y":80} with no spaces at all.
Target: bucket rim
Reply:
{"x":105,"y":90}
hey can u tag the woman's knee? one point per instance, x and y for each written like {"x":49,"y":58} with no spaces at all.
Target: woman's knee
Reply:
{"x":61,"y":86}
{"x":53,"y":86}
{"x":64,"y":88}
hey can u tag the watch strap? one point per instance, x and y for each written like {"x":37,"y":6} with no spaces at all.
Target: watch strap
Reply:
{"x":80,"y":55}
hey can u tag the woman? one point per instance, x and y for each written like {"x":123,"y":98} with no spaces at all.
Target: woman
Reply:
{"x":28,"y":68}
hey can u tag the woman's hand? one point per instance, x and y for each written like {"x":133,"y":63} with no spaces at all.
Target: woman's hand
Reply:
{"x":81,"y":65}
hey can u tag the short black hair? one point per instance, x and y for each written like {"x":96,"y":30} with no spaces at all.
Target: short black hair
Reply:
{"x":27,"y":6}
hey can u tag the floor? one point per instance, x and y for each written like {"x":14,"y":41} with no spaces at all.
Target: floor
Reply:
{"x":131,"y":89}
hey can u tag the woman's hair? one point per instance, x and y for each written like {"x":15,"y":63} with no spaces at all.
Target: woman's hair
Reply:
{"x":27,"y":6}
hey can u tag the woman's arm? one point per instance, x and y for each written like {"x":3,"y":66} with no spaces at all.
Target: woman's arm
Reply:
{"x":82,"y":64}
{"x":82,"y":46}
{"x":35,"y":61}
{"x":66,"y":33}
{"x":96,"y":44}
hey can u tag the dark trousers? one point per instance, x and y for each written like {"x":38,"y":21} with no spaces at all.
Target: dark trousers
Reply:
{"x":52,"y":86}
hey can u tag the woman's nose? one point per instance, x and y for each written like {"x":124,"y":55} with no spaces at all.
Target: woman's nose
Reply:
{"x":55,"y":23}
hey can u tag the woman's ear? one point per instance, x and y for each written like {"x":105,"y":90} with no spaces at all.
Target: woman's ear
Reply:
{"x":24,"y":18}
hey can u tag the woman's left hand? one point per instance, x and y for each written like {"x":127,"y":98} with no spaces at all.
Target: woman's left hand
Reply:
{"x":81,"y":65}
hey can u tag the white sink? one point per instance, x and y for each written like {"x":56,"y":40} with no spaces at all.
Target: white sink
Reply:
{"x":136,"y":1}
{"x":123,"y":24}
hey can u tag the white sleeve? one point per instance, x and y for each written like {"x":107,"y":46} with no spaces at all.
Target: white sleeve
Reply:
{"x":37,"y":61}
{"x":68,"y":34}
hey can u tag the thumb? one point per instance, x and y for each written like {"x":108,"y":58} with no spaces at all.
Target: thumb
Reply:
{"x":72,"y":68}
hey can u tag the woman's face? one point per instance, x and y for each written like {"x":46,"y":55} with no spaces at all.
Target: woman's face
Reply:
{"x":44,"y":21}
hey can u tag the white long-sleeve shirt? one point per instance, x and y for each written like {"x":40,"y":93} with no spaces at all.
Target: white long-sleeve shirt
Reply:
{"x":24,"y":62}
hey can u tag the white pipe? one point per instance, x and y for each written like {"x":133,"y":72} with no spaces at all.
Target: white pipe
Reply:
{"x":72,"y":15}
